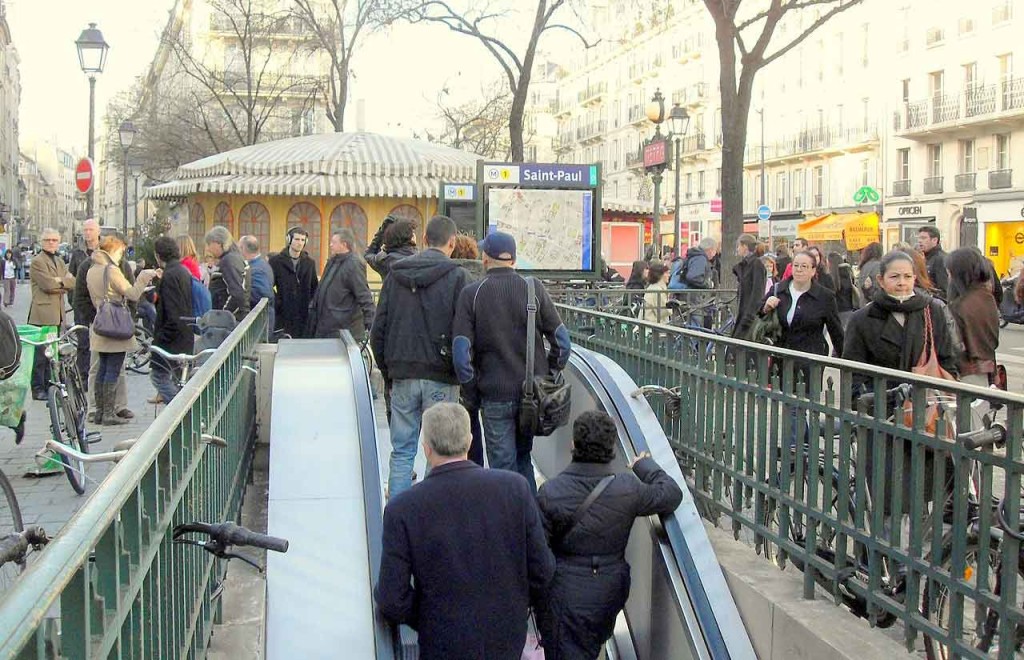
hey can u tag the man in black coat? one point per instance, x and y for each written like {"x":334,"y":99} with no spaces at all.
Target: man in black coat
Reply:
{"x":343,"y":300}
{"x":412,"y":340}
{"x":174,"y":301}
{"x":750,"y":283}
{"x":232,"y":283}
{"x":929,"y":242}
{"x":464,"y":551}
{"x":295,"y":283}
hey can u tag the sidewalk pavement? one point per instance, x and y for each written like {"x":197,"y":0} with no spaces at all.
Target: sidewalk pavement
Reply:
{"x":50,"y":501}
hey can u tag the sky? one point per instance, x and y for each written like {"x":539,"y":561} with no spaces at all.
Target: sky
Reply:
{"x":397,"y":72}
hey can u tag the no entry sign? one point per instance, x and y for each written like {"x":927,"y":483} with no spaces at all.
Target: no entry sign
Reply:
{"x":84,"y":175}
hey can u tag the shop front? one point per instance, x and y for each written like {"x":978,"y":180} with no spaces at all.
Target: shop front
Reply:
{"x":780,"y":229}
{"x":841,"y":232}
{"x":903,"y":222}
{"x":1002,"y":233}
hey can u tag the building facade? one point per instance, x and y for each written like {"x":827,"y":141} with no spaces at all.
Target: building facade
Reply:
{"x":957,"y":126}
{"x":10,"y":100}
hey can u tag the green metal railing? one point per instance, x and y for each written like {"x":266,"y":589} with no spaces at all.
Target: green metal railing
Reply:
{"x":748,"y":435}
{"x":717,"y":303}
{"x":112,"y":579}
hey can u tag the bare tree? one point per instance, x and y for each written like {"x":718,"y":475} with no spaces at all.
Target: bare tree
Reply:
{"x":336,"y":26}
{"x":517,"y":69}
{"x":743,"y":50}
{"x":248,"y":87}
{"x":479,"y":126}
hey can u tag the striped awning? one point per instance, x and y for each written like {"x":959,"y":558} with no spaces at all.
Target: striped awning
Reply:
{"x":627,"y":206}
{"x":333,"y":164}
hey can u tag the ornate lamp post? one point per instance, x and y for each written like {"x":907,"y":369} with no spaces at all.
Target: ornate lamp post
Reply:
{"x":92,"y":57}
{"x":126,"y":135}
{"x":680,"y":121}
{"x":656,"y":158}
{"x":135,"y":169}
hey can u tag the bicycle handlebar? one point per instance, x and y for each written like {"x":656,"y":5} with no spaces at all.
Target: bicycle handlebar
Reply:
{"x":229,"y":533}
{"x":47,"y":342}
{"x":994,"y":435}
{"x":181,"y":357}
{"x":14,"y":546}
{"x":901,"y":392}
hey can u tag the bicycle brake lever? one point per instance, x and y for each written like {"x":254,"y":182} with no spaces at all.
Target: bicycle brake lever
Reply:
{"x":233,"y":555}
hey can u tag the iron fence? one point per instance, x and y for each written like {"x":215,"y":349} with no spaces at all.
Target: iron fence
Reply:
{"x":676,"y":307}
{"x":112,"y":579}
{"x":774,"y":449}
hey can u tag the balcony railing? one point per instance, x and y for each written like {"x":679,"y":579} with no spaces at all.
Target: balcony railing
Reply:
{"x":812,"y":140}
{"x":965,"y":182}
{"x":564,"y":142}
{"x":634,"y":159}
{"x":692,"y":144}
{"x":818,"y":200}
{"x":637,"y":114}
{"x":933,"y":185}
{"x":592,"y":131}
{"x":901,"y":188}
{"x":975,"y":102}
{"x":592,"y":93}
{"x":999,"y":179}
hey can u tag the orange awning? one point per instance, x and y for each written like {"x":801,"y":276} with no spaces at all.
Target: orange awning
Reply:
{"x":856,"y":229}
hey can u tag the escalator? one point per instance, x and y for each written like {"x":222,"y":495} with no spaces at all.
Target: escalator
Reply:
{"x":325,"y":485}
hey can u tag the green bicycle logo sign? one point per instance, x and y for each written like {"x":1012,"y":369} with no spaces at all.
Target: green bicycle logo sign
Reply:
{"x":866,"y":194}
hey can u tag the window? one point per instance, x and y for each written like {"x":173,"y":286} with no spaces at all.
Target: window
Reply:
{"x":970,"y":75}
{"x":1005,"y":67}
{"x":906,"y":90}
{"x":840,"y":52}
{"x":866,"y":113}
{"x":903,"y":164}
{"x":934,"y":36}
{"x":781,"y":191}
{"x":798,"y":188}
{"x":934,"y":160}
{"x":967,"y":157}
{"x":818,"y":186}
{"x":700,"y":185}
{"x":1003,"y":151}
{"x":718,"y":182}
{"x":689,"y":185}
{"x":758,"y":190}
{"x":865,"y":45}
{"x":936,"y":80}
{"x":965,"y":26}
{"x":865,"y":170}
{"x":1002,"y":11}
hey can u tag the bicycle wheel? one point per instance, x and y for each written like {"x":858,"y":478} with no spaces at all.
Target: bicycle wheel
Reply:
{"x":980,"y":625}
{"x":10,"y":523}
{"x":64,"y":430}
{"x":138,"y":360}
{"x":76,"y":394}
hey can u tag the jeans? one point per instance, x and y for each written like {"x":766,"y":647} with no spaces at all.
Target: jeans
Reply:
{"x":164,"y":377}
{"x":409,"y":398}
{"x":476,"y":447}
{"x":83,"y":356}
{"x":110,"y":368}
{"x":507,"y":449}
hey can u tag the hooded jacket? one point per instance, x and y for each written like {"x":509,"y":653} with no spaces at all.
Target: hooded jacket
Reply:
{"x":412,"y":332}
{"x":693,"y":271}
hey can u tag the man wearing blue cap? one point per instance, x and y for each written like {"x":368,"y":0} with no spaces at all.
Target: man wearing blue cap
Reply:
{"x":489,"y":350}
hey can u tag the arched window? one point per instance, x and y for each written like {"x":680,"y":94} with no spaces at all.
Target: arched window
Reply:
{"x":351,"y":216}
{"x":254,"y":218}
{"x":197,"y":224}
{"x":307,"y":216}
{"x":222,"y":216}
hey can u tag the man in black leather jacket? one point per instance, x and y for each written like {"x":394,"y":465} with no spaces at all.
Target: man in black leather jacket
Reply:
{"x":343,"y":300}
{"x":231,"y":289}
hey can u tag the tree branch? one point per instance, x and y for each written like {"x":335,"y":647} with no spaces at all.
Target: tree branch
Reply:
{"x":558,"y":26}
{"x":806,"y":33}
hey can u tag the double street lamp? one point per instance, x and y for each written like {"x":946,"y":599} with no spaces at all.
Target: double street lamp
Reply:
{"x":126,"y":135}
{"x":680,"y":120}
{"x":92,"y":57}
{"x":657,"y":154}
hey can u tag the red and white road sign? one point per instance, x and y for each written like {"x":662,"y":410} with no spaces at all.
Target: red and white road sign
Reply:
{"x":84,"y":175}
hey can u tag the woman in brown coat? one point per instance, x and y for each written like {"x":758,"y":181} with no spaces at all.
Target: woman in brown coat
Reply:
{"x":106,"y":261}
{"x":976,"y":314}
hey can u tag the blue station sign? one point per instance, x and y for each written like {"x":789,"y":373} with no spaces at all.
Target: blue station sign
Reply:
{"x":541,"y":175}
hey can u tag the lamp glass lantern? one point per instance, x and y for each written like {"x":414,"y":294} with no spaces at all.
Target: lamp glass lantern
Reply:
{"x":655,"y":109}
{"x":92,"y":50}
{"x":126,"y":134}
{"x":680,"y":120}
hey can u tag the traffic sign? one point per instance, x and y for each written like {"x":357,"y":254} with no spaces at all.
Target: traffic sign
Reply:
{"x":84,"y":175}
{"x":764,"y":212}
{"x":866,"y":194}
{"x":716,"y":206}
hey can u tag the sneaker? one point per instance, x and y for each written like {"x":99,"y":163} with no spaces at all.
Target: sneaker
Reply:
{"x":125,"y":414}
{"x":156,"y":398}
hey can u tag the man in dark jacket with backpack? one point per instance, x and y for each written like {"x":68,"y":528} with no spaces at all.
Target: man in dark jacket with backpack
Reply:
{"x":174,"y":301}
{"x":411,"y":338}
{"x":295,"y":283}
{"x":694,"y":271}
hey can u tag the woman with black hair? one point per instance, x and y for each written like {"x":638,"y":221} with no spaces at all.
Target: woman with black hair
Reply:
{"x":592,"y":580}
{"x":976,"y":314}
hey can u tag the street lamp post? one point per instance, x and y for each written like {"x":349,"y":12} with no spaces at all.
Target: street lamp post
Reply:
{"x":655,"y":161}
{"x":135,"y":169}
{"x":92,"y":57}
{"x":126,"y":134}
{"x":680,"y":120}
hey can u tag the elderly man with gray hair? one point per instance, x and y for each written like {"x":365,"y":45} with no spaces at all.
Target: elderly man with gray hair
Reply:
{"x":262,"y":276}
{"x":51,"y":281}
{"x":465,"y":555}
{"x":230,"y":285}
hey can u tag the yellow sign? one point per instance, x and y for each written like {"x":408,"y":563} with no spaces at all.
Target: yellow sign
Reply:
{"x":860,"y":231}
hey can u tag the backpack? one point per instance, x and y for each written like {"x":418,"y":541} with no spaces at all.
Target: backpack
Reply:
{"x":10,"y":346}
{"x":202,"y":301}
{"x":680,"y":275}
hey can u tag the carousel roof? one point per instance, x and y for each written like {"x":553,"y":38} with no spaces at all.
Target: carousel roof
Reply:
{"x":331,"y":164}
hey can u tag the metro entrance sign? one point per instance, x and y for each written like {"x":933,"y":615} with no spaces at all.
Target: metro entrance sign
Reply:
{"x":85,"y":175}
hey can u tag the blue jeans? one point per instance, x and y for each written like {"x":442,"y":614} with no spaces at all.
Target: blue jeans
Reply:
{"x":506,"y":448}
{"x":409,"y":398}
{"x":111,"y":365}
{"x":164,"y":377}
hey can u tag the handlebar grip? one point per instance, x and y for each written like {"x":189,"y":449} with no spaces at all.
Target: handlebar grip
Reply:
{"x":236,"y":535}
{"x":993,"y":435}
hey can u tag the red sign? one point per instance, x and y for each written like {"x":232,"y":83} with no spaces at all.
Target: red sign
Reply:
{"x":716,"y":206}
{"x":655,"y":154}
{"x":648,"y":232}
{"x":84,"y":175}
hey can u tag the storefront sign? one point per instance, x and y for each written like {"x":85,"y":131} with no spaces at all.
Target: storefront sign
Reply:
{"x":656,"y":153}
{"x":779,"y":228}
{"x":908,"y":211}
{"x":860,"y":232}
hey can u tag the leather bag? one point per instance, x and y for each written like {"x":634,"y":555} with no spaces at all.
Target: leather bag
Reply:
{"x":113,"y":320}
{"x":928,"y":365}
{"x":546,"y":400}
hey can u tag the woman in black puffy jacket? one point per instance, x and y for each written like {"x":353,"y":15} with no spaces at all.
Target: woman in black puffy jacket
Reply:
{"x":592,"y":581}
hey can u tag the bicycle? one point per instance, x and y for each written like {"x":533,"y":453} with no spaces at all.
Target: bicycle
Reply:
{"x":14,"y":550}
{"x":138,"y":361}
{"x":66,"y":402}
{"x":184,"y":361}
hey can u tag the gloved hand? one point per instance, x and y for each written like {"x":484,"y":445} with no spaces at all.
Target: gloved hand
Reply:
{"x":378,"y":238}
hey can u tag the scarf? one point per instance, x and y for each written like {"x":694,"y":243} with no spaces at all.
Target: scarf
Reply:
{"x":913,"y":328}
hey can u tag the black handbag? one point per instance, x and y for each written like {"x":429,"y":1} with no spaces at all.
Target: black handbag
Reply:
{"x":113,"y":320}
{"x":546,"y":400}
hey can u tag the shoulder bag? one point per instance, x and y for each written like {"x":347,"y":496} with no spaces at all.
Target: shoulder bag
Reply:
{"x":546,"y":401}
{"x":113,"y":320}
{"x":577,"y":516}
{"x":928,"y":365}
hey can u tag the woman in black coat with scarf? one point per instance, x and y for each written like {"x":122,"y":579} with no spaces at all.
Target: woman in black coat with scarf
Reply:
{"x":890,"y":333}
{"x":591,"y":582}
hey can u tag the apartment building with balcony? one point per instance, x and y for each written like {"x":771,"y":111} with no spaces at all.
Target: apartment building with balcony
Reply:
{"x":10,"y":99}
{"x":956,"y":157}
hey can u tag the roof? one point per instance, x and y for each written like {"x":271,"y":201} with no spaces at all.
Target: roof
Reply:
{"x":332,"y":164}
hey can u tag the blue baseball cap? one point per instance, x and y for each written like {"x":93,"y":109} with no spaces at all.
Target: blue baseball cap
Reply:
{"x":499,"y":245}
